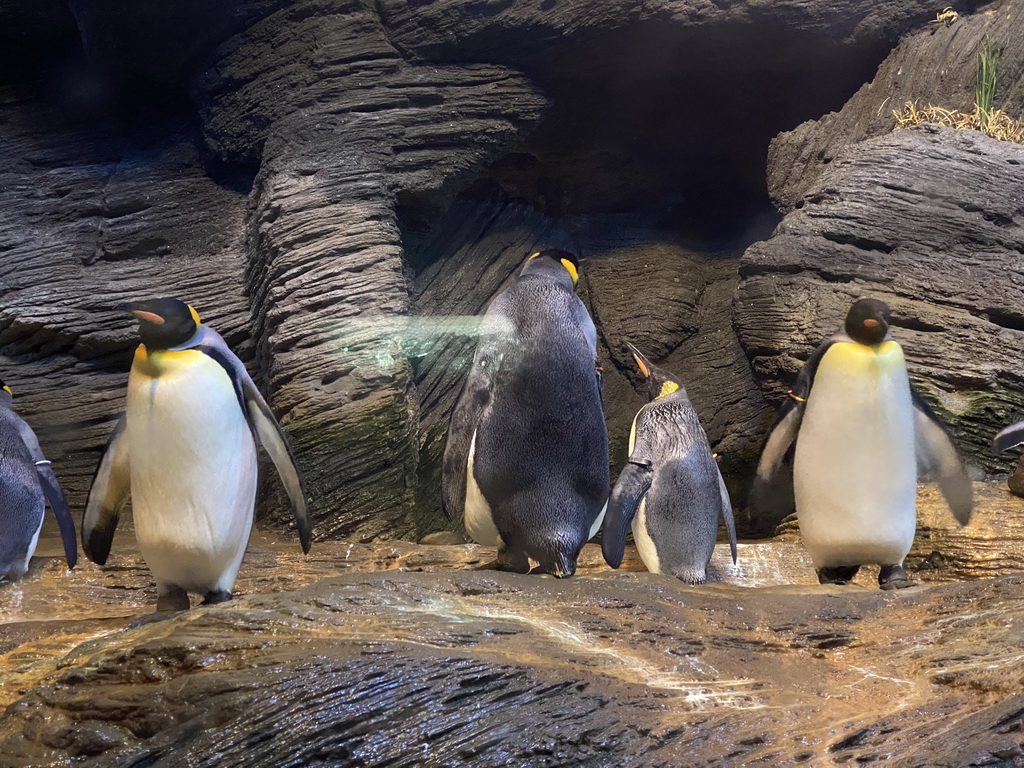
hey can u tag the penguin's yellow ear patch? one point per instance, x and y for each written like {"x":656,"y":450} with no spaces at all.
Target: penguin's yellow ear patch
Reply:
{"x":668,"y":388}
{"x":534,"y":255}
{"x":195,"y":315}
{"x":571,"y":269}
{"x":8,"y":390}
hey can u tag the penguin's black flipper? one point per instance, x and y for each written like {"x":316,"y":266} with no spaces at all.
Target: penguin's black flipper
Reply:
{"x":937,"y":456}
{"x":763,"y":495}
{"x":109,"y":491}
{"x":53,"y":493}
{"x":1012,"y":436}
{"x":791,"y":415}
{"x":263,"y":422}
{"x":465,"y":419}
{"x":730,"y":523}
{"x":629,"y":490}
{"x":59,"y":504}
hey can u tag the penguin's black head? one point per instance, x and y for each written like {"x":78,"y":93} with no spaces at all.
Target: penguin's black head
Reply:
{"x":868,"y":321}
{"x":659,"y":381}
{"x":163,"y":323}
{"x":553,"y":262}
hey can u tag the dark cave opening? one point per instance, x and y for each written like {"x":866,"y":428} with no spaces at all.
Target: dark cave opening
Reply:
{"x":670,"y":126}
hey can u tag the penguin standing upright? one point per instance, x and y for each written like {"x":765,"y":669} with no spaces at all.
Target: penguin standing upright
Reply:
{"x":861,"y":433}
{"x":27,"y":482}
{"x":670,"y":489}
{"x":185,"y":450}
{"x":527,"y":452}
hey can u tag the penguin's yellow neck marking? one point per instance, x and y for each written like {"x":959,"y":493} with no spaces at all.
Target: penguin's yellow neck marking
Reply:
{"x":195,"y":315}
{"x":855,"y":359}
{"x":571,"y":269}
{"x":162,"y":362}
{"x":8,"y":390}
{"x":667,"y":388}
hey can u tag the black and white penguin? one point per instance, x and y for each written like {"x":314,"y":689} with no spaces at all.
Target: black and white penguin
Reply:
{"x":27,"y":482}
{"x":527,"y":454}
{"x":670,"y":489}
{"x":185,"y":450}
{"x":862,"y":432}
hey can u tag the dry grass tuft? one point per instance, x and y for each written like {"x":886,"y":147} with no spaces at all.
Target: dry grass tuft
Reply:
{"x":995,"y":122}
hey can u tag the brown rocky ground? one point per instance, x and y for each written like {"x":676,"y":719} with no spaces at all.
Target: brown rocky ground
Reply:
{"x":401,"y":654}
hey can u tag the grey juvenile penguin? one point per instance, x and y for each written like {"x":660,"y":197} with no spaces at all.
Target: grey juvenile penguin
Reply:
{"x":670,"y":489}
{"x":26,"y":483}
{"x":527,"y":452}
{"x":861,"y":433}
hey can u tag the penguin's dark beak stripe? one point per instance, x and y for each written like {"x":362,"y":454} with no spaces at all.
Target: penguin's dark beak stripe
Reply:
{"x":149,"y":317}
{"x":643,"y":368}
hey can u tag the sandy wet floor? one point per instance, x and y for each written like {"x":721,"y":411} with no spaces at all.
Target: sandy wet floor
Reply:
{"x":52,"y":609}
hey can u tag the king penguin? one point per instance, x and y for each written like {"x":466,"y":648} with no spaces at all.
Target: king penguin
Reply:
{"x":670,"y":489}
{"x":27,"y":482}
{"x":862,"y":433}
{"x":185,"y":450}
{"x":527,"y":454}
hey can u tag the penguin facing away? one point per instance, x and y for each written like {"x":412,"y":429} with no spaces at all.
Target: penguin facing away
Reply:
{"x":526,"y":459}
{"x":185,"y":450}
{"x":862,"y":433}
{"x":27,"y":483}
{"x":670,"y":489}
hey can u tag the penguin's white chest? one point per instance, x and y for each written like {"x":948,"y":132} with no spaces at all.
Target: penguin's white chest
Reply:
{"x":855,"y":470}
{"x":193,"y":469}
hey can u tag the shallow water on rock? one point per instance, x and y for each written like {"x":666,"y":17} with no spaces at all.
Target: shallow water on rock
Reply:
{"x":660,"y":639}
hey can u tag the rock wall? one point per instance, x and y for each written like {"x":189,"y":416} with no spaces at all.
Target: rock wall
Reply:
{"x":322,"y":178}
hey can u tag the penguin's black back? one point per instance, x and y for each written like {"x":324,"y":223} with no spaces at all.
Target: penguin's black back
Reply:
{"x":541,"y":457}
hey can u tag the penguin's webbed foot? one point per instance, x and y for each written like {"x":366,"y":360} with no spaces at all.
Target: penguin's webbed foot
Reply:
{"x":839,"y":574}
{"x":171,"y":598}
{"x":894,"y":577}
{"x":215,"y":596}
{"x":498,"y":565}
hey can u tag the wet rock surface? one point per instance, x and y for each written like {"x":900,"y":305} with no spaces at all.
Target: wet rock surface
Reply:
{"x":401,"y":653}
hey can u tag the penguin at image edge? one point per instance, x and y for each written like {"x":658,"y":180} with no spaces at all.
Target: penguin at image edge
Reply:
{"x":862,"y":433}
{"x":671,"y":489}
{"x":526,"y":460}
{"x":27,"y":483}
{"x":185,"y":450}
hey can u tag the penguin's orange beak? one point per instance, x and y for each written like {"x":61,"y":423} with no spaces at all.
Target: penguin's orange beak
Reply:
{"x":643,"y":368}
{"x":870,"y":323}
{"x":149,"y":317}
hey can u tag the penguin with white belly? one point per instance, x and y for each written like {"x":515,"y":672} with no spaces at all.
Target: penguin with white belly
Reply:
{"x":526,"y":460}
{"x":670,"y":489}
{"x":27,"y":482}
{"x":185,"y":450}
{"x":862,"y":433}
